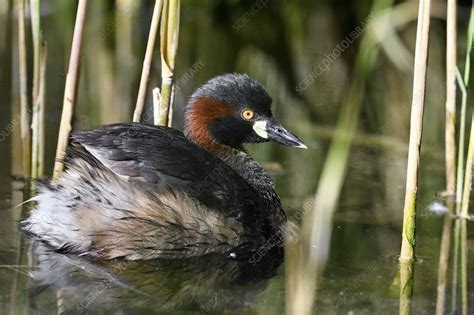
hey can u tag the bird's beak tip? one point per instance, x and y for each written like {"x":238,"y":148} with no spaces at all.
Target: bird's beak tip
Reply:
{"x":276,"y":132}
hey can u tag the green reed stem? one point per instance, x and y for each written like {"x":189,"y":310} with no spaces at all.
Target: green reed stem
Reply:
{"x":463,"y":84}
{"x":468,"y":174}
{"x":470,"y":37}
{"x":464,"y":262}
{"x":462,"y":131}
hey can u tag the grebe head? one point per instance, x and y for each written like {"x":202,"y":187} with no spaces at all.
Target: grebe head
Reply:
{"x":233,"y":109}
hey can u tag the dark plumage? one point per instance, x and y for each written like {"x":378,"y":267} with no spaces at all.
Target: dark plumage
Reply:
{"x":141,"y":192}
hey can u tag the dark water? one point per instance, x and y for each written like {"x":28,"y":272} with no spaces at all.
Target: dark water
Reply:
{"x":361,"y":275}
{"x":279,"y":44}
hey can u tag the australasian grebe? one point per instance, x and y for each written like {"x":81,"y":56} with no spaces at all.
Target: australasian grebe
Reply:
{"x":134,"y":191}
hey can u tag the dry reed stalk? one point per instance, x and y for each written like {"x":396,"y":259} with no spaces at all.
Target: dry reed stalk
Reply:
{"x":155,"y":21}
{"x":70,"y":88}
{"x":35,"y":6}
{"x":170,"y":109}
{"x":37,"y":100}
{"x":156,"y":103}
{"x":454,"y":282}
{"x":37,"y":163}
{"x":407,"y":253}
{"x":406,"y":286}
{"x":41,"y":113}
{"x":451,"y":99}
{"x":421,"y":55}
{"x":450,"y":154}
{"x":169,"y":35}
{"x":24,"y":109}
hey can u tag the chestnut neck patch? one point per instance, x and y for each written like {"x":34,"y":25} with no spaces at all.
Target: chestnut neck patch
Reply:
{"x":199,"y":116}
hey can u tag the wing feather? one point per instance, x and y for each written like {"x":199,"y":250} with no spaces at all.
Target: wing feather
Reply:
{"x":164,"y":157}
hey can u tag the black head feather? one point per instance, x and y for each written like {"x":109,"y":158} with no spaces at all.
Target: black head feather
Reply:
{"x":236,"y":92}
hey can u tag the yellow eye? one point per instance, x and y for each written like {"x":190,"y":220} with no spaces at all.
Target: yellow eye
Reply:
{"x":247,"y":114}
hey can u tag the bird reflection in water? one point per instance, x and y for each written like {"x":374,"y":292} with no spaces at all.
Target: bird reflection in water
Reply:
{"x":206,"y":284}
